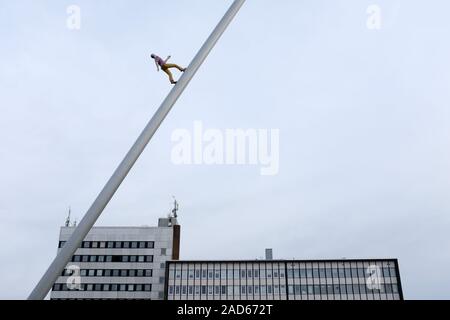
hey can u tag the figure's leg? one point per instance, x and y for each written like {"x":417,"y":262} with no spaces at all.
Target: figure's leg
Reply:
{"x":172,"y":65}
{"x":167,"y":71}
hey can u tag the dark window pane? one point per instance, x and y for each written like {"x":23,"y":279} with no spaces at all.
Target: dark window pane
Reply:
{"x":116,"y":259}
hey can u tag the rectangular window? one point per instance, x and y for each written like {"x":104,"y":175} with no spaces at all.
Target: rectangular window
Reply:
{"x":343,"y":291}
{"x":217,"y":291}
{"x":134,"y":245}
{"x":322,"y":273}
{"x":99,"y":273}
{"x":138,"y":287}
{"x":126,"y":244}
{"x":329,"y":289}
{"x":316,"y":289}
{"x":133,"y":258}
{"x":197,"y":290}
{"x":118,"y":245}
{"x":110,"y":244}
{"x":85,"y":244}
{"x":98,"y":287}
{"x":197,"y":274}
{"x":131,"y":287}
{"x":102,"y":244}
{"x":84,"y":258}
{"x":132,"y":273}
{"x":114,"y":287}
{"x":315,"y":273}
{"x":303,"y":289}
{"x":362,"y":289}
{"x":335,"y":273}
{"x":190,"y":290}
{"x":94,"y":244}
{"x":116,"y":258}
{"x":83,"y":272}
{"x":124,"y":258}
{"x":210,"y":290}
{"x":148,"y":258}
{"x":89,"y":287}
{"x":108,"y":258}
{"x":393,"y":272}
{"x":101,"y":258}
{"x":123,"y":273}
{"x":93,"y":259}
{"x":203,"y":290}
{"x":123,"y":287}
{"x":140,"y":273}
{"x":355,"y":289}
{"x":348,"y":273}
{"x":115,"y":272}
{"x":142,"y":244}
{"x":150,"y":244}
{"x":148,"y":272}
{"x":141,"y":258}
{"x":349,"y":289}
{"x":107,"y":273}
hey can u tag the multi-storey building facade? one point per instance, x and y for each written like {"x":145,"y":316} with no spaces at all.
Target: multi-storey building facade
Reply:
{"x":284,"y":280}
{"x":119,"y":262}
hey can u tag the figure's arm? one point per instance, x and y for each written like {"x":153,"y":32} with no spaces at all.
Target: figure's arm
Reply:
{"x":168,"y":57}
{"x":157,"y":65}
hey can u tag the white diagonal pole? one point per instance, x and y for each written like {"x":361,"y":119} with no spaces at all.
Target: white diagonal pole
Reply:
{"x":94,"y":212}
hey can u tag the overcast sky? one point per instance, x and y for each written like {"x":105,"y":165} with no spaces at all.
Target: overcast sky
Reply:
{"x":364,"y":120}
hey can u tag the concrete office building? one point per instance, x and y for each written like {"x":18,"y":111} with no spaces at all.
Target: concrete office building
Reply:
{"x":119,"y":262}
{"x":284,"y":280}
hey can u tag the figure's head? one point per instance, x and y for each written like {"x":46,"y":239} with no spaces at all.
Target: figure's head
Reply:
{"x":153,"y":56}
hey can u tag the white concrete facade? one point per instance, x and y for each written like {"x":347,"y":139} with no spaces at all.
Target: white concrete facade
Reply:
{"x":118,"y":263}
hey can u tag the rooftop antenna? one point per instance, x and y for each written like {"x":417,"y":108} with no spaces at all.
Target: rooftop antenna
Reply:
{"x":68,"y":219}
{"x":175,"y":208}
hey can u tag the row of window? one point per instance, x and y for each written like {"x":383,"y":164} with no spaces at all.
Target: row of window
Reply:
{"x":111,"y":258}
{"x":109,"y":272}
{"x":223,"y":274}
{"x":115,"y":244}
{"x":319,"y":273}
{"x":341,"y":272}
{"x":292,"y":290}
{"x":103,"y":287}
